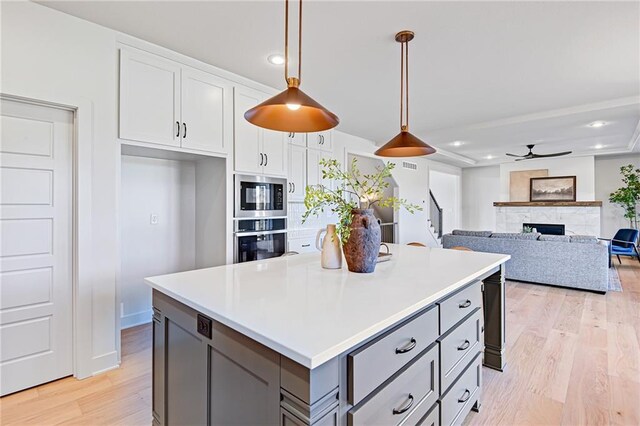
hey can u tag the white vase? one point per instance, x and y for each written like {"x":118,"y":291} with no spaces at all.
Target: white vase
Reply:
{"x":331,"y":257}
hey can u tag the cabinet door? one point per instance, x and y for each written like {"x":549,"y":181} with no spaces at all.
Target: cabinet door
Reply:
{"x":248,"y":156}
{"x":297,"y":173}
{"x":149,"y":98}
{"x":299,"y":139}
{"x":206,"y":111}
{"x":314,"y":170}
{"x":320,"y":140}
{"x":274,"y":148}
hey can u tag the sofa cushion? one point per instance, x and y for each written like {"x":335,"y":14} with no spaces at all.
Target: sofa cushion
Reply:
{"x":516,"y":235}
{"x":464,"y":233}
{"x":560,"y":238}
{"x":585,"y":239}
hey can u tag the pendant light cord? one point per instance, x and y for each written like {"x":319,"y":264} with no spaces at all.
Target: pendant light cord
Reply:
{"x":404,"y":85}
{"x":286,"y":41}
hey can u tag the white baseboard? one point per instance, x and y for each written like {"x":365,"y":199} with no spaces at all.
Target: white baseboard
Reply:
{"x":131,"y":320}
{"x":105,"y":362}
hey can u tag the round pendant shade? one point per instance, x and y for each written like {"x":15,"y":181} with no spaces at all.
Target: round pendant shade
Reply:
{"x":292,"y":111}
{"x":405,"y":145}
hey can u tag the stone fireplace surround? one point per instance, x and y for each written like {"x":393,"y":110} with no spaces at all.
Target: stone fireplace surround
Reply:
{"x":579,"y":218}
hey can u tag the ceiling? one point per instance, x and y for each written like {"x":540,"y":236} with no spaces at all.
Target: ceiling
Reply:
{"x":495,"y":75}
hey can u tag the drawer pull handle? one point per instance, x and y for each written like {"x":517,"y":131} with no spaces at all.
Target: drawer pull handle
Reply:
{"x":412,"y":344}
{"x":465,"y":396}
{"x":405,"y":408}
{"x":306,"y":245}
{"x":464,"y":346}
{"x":465,"y":304}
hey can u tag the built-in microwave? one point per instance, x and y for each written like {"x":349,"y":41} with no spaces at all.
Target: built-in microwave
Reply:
{"x":260,"y":196}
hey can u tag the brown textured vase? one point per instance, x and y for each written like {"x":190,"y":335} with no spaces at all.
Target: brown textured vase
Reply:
{"x":362,"y":248}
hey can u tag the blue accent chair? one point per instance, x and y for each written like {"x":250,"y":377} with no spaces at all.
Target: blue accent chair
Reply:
{"x":624,"y":243}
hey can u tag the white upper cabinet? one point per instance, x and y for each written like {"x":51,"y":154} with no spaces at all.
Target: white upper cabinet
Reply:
{"x":297,"y":173}
{"x":274,"y":148}
{"x":149,"y":98}
{"x":320,"y":140}
{"x":164,"y":102}
{"x":256,"y":150}
{"x":314,"y":170}
{"x":206,"y":107}
{"x":298,"y":139}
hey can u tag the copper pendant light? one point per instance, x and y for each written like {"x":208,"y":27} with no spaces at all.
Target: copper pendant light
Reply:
{"x":292,"y":110}
{"x":404,"y":144}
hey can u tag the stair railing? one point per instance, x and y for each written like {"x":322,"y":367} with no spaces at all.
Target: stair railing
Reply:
{"x":435,"y":214}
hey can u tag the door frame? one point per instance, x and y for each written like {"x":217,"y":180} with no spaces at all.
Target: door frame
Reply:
{"x":81,"y":237}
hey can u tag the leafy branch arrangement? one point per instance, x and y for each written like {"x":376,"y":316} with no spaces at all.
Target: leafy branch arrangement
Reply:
{"x":629,"y":195}
{"x":355,"y":190}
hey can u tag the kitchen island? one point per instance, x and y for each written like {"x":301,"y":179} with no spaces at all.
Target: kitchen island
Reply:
{"x":283,"y":341}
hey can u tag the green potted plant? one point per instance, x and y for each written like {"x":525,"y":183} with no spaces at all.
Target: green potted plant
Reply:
{"x":353,"y":200}
{"x":628,"y":196}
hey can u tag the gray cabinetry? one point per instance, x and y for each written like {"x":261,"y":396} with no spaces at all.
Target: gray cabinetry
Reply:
{"x":186,"y":362}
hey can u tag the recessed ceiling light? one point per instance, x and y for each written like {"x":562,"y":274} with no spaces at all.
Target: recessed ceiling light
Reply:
{"x":597,"y":124}
{"x":489,"y":157}
{"x":599,"y":146}
{"x":457,"y":143}
{"x":276,"y":59}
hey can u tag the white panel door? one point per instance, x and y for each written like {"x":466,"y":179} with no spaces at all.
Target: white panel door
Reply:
{"x":274,"y":147}
{"x":248,"y":155}
{"x":35,"y":245}
{"x":206,"y":109}
{"x":149,"y":98}
{"x":297,"y":173}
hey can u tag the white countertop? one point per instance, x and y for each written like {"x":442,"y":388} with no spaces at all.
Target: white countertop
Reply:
{"x":311,"y":315}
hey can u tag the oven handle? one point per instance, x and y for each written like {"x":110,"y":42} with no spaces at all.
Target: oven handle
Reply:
{"x":252,"y":234}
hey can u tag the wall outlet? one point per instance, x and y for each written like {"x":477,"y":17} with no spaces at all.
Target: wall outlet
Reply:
{"x":154,"y":219}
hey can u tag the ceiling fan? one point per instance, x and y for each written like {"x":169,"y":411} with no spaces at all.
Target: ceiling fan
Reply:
{"x":530,"y":155}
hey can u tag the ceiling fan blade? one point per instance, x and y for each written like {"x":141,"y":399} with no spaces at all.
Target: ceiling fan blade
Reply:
{"x":522,"y":159}
{"x":557,"y":154}
{"x":514,"y":155}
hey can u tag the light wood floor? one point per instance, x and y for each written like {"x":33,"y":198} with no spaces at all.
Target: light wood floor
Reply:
{"x":573,"y":359}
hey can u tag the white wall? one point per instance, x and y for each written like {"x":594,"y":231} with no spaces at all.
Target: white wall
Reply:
{"x":446,"y":188}
{"x":480,"y":188}
{"x":581,"y":167}
{"x":165,"y":188}
{"x":211,"y":199}
{"x":49,"y":56}
{"x":608,"y":179}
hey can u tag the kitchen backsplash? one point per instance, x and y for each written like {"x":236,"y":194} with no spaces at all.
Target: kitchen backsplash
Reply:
{"x":297,"y":229}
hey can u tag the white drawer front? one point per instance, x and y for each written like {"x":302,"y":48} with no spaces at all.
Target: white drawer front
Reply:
{"x":302,"y":245}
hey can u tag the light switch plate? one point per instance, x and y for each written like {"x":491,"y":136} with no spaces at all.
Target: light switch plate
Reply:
{"x":154,"y":219}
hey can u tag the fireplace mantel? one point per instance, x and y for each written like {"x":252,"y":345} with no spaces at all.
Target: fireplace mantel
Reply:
{"x":547,"y":204}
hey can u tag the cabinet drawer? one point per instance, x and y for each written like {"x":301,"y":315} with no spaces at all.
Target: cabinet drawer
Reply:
{"x":391,"y":404}
{"x":459,"y":347}
{"x":302,"y":245}
{"x":464,"y":393}
{"x":423,"y":415}
{"x":376,"y":361}
{"x":459,"y":305}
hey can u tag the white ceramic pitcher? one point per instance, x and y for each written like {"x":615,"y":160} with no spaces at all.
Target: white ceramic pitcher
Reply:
{"x":331,"y":257}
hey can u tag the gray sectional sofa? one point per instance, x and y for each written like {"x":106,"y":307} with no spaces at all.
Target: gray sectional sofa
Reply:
{"x":580,"y":262}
